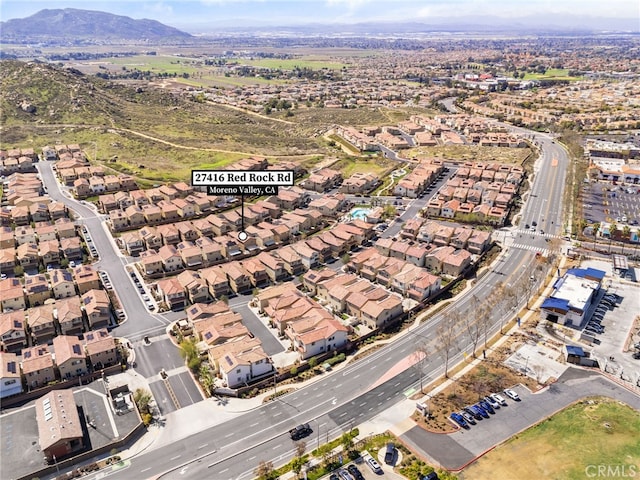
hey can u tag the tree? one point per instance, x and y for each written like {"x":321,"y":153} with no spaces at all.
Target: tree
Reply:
{"x":445,"y":334}
{"x":420,"y":357}
{"x":142,"y":398}
{"x":189,"y":351}
{"x":296,"y":465}
{"x":347,"y":442}
{"x":472,"y":324}
{"x":301,"y":446}
{"x":264,"y":471}
{"x":313,"y":363}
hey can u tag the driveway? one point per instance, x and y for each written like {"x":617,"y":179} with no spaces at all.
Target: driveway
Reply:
{"x":270,"y":344}
{"x":453,"y":451}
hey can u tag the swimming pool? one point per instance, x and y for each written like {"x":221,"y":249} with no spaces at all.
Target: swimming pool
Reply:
{"x":359,"y":213}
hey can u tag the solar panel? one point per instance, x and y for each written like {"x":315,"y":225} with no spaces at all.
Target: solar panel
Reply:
{"x":27,"y":354}
{"x":208,"y":335}
{"x":17,"y":324}
{"x":76,"y":349}
{"x":226,"y":357}
{"x":11,"y":366}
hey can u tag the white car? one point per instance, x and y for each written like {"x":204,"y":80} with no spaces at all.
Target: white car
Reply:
{"x":499,"y":398}
{"x":511,"y":394}
{"x":374,"y":465}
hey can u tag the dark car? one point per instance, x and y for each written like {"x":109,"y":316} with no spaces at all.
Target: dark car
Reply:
{"x":390,"y":454}
{"x":300,"y":431}
{"x":480,"y":408}
{"x":355,"y":473}
{"x":334,"y":476}
{"x":484,"y":404}
{"x":475,"y":414}
{"x":456,"y":417}
{"x":430,"y":476}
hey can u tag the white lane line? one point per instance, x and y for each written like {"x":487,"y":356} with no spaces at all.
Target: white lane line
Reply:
{"x":176,"y":457}
{"x":222,"y":471}
{"x":277,"y":446}
{"x":254,"y":424}
{"x":276,"y":414}
{"x":144,"y":470}
{"x":203,"y":446}
{"x":343,"y":414}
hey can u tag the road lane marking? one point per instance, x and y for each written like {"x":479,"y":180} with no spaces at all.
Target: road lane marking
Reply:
{"x":203,"y":446}
{"x":343,"y":414}
{"x":176,"y":457}
{"x":254,"y":424}
{"x":277,"y":446}
{"x":144,"y":470}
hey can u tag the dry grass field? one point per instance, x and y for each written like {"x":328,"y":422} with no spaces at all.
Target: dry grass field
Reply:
{"x":473,"y":153}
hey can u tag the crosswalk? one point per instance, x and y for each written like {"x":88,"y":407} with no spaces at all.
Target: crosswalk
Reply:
{"x":523,"y":233}
{"x":522,"y":246}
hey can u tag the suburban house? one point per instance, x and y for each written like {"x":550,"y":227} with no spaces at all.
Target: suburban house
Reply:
{"x":13,"y":337}
{"x":97,"y":308}
{"x":100,"y":348}
{"x":41,"y":323}
{"x":68,"y":312}
{"x":240,"y":361}
{"x":69,"y":356}
{"x":13,"y":297}
{"x":37,"y":366}
{"x":86,"y":278}
{"x":10,"y":376}
{"x":317,"y":336}
{"x":171,"y":292}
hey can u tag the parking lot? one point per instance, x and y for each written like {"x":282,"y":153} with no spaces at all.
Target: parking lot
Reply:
{"x":605,"y":202}
{"x":618,"y":323}
{"x":457,"y":449}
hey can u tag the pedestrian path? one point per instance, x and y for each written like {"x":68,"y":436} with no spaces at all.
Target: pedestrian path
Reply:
{"x":523,"y":246}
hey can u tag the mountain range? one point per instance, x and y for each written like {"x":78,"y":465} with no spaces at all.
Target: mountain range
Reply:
{"x":91,"y":26}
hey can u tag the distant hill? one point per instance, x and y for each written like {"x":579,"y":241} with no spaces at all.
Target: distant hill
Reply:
{"x":41,"y":93}
{"x":88,"y":26}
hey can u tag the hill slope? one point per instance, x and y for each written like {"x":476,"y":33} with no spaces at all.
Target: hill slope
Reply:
{"x":88,"y":25}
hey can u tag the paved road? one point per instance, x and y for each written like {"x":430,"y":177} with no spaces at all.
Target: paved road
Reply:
{"x":270,"y":344}
{"x":456,"y":450}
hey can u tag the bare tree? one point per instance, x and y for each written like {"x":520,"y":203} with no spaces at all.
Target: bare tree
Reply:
{"x":472,"y":325}
{"x":445,"y":334}
{"x":301,"y":446}
{"x":264,"y":470}
{"x":420,"y":358}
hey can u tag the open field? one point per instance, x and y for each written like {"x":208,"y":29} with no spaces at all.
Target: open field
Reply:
{"x":472,"y":153}
{"x":552,"y":74}
{"x":569,"y":445}
{"x":377,"y":166}
{"x":311,"y":61}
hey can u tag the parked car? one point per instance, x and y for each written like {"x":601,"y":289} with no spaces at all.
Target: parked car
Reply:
{"x":475,"y":414}
{"x":456,"y":417}
{"x":511,"y":394}
{"x":495,"y":405}
{"x":468,"y":417}
{"x":487,"y":407}
{"x":430,"y":476}
{"x":334,"y":476}
{"x":390,"y":454}
{"x":374,"y":465}
{"x":481,"y":410}
{"x":344,"y":475}
{"x":355,"y":473}
{"x":499,"y":398}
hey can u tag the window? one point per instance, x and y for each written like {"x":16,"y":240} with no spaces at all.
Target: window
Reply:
{"x":10,"y":382}
{"x":238,"y":371}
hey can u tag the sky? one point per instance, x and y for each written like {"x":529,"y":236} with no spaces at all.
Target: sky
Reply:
{"x":195,"y":15}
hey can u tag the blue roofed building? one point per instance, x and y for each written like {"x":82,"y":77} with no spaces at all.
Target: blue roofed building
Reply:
{"x":572,"y":296}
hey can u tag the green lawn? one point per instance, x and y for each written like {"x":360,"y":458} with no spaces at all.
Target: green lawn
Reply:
{"x":551,"y":74}
{"x":315,"y":63}
{"x":567,"y":445}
